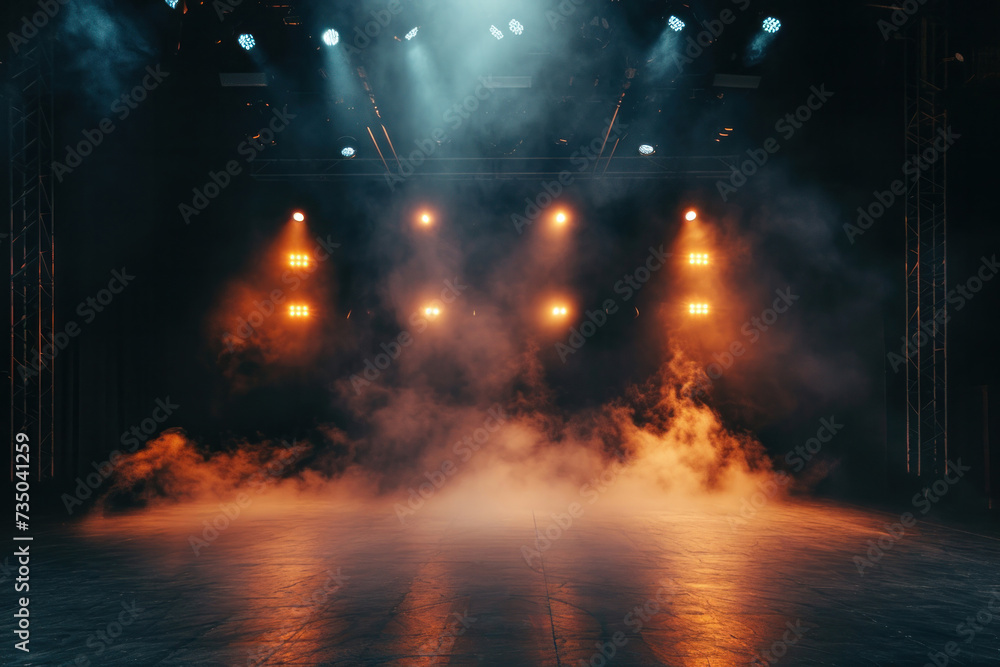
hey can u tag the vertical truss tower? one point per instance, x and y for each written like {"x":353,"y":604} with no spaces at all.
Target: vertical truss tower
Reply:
{"x":926,"y":80}
{"x":32,"y":313}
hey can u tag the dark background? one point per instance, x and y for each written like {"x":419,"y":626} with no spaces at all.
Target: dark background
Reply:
{"x":120,"y":209}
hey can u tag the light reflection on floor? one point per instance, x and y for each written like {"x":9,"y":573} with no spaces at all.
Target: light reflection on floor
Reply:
{"x":314,"y":585}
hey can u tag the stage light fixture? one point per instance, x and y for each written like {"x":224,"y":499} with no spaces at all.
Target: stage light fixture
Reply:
{"x":172,"y":3}
{"x":347,"y":146}
{"x":298,"y":260}
{"x":432,"y":311}
{"x":646,"y":149}
{"x":410,"y":35}
{"x":299,"y":216}
{"x":691,"y":215}
{"x":698,"y":258}
{"x":516,"y":27}
{"x":675,"y":24}
{"x":771,"y":25}
{"x":561,"y":218}
{"x":559,"y":311}
{"x":698,"y":308}
{"x":298,"y":311}
{"x":247,"y":41}
{"x":331,"y":37}
{"x":495,"y":31}
{"x":425,"y":218}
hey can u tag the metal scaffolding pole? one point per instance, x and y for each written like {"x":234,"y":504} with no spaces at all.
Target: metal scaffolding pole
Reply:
{"x":32,"y":311}
{"x":926,"y":118}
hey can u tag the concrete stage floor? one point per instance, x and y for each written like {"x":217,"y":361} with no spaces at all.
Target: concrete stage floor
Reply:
{"x":327,"y":586}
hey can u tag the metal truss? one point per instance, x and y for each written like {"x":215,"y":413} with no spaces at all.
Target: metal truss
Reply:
{"x":501,"y":168}
{"x":32,"y":312}
{"x":926,"y":80}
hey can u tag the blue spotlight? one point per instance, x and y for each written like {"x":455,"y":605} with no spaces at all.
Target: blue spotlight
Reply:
{"x":646,"y":149}
{"x":172,"y":3}
{"x":331,"y":37}
{"x":247,"y":41}
{"x":516,"y":27}
{"x":410,"y":35}
{"x":348,"y":152}
{"x":771,"y":25}
{"x":675,"y":24}
{"x":495,"y":31}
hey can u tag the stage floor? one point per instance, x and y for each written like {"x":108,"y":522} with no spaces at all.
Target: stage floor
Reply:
{"x":324,"y":585}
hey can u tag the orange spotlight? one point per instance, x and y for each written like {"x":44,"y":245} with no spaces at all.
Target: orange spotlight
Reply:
{"x":559,"y":311}
{"x":299,"y":216}
{"x":425,"y":219}
{"x":296,"y":260}
{"x":691,"y":215}
{"x":298,"y":310}
{"x":698,"y":308}
{"x":698,"y":258}
{"x":561,"y":218}
{"x":432,"y":311}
